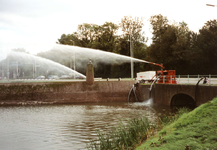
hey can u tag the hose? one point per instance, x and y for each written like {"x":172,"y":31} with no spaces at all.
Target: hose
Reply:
{"x":197,"y":87}
{"x":152,"y":85}
{"x":135,"y":93}
{"x":133,"y":88}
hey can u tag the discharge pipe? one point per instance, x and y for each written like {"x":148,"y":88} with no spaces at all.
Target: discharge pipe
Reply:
{"x":152,"y":85}
{"x":196,"y":88}
{"x":132,"y":89}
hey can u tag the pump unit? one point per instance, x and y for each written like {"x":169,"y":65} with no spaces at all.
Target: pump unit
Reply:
{"x":164,"y":76}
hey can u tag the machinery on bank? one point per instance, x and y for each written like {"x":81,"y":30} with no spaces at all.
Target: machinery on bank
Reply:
{"x":160,"y":76}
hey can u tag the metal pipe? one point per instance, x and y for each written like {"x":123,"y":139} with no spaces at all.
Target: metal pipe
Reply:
{"x":130,"y":93}
{"x":131,"y":54}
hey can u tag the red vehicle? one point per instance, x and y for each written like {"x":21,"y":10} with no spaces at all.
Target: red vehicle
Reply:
{"x":165,"y":76}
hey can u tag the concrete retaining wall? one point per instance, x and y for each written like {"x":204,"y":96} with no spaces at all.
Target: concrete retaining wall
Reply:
{"x":100,"y":91}
{"x":163,"y":93}
{"x":67,"y":92}
{"x":205,"y":94}
{"x":143,"y":92}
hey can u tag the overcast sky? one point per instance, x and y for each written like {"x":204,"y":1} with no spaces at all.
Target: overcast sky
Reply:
{"x":32,"y":24}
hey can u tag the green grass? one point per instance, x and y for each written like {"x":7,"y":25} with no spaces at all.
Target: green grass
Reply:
{"x":127,"y":136}
{"x":196,"y":130}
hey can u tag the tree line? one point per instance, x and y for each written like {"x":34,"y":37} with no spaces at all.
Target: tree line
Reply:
{"x":173,"y":44}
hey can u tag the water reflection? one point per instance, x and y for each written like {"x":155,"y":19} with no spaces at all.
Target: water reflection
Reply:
{"x":64,"y":126}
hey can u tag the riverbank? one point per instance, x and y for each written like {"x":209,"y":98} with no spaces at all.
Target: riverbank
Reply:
{"x":194,"y":130}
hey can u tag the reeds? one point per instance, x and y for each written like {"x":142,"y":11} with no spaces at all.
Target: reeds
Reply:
{"x":127,"y":136}
{"x":124,"y":136}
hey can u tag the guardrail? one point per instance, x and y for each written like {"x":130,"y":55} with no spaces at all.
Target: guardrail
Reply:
{"x":185,"y":79}
{"x":193,"y":79}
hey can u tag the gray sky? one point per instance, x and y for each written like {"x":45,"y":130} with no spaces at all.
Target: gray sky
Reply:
{"x":37,"y":24}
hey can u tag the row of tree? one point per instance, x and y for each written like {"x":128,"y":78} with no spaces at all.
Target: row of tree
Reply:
{"x":183,"y":50}
{"x":173,"y":44}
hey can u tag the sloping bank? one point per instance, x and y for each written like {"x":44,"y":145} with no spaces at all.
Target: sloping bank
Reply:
{"x":196,"y":130}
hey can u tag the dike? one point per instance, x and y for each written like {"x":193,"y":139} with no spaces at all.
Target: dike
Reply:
{"x":196,"y":130}
{"x":64,"y":92}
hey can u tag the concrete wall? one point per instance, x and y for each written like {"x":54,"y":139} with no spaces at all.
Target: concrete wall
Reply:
{"x":143,"y":92}
{"x":205,"y":94}
{"x":100,"y":91}
{"x":64,"y":92}
{"x":163,"y":93}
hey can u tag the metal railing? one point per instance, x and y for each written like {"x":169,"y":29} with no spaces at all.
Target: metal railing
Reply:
{"x":193,"y":79}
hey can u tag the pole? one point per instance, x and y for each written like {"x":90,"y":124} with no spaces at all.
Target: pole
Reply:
{"x":131,"y":54}
{"x":74,"y":63}
{"x":2,"y":70}
{"x":8,"y":72}
{"x":179,"y":78}
{"x":73,"y":57}
{"x":17,"y":70}
{"x":210,"y":79}
{"x":188,"y":78}
{"x":34,"y":69}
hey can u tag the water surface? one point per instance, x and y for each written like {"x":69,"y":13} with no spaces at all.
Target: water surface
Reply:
{"x":65,"y":127}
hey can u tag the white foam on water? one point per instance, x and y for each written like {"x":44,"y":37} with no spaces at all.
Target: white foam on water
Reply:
{"x":148,"y":102}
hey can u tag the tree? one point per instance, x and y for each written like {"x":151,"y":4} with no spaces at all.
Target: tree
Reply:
{"x":107,"y":36}
{"x":70,"y":39}
{"x":182,"y":48}
{"x":207,"y":47}
{"x":94,"y":36}
{"x":174,"y":45}
{"x":133,"y":37}
{"x":164,"y":36}
{"x":106,"y":40}
{"x":159,"y":26}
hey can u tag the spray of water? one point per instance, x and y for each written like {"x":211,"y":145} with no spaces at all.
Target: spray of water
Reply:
{"x":3,"y":54}
{"x":97,"y":56}
{"x":148,"y":102}
{"x":45,"y":65}
{"x":67,"y":53}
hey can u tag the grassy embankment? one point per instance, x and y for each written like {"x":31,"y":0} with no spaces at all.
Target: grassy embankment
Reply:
{"x":196,"y":130}
{"x":183,"y":131}
{"x":129,"y":135}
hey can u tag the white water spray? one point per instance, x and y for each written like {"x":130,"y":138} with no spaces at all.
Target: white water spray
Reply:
{"x":97,"y":56}
{"x":43,"y":64}
{"x":67,"y":53}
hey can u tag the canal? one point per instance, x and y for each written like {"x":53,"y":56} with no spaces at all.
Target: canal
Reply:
{"x":65,"y":127}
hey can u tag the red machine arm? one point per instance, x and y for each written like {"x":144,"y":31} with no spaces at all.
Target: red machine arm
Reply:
{"x":161,"y":65}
